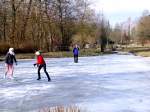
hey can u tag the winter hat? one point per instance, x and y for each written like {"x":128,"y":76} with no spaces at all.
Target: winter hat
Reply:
{"x":37,"y":53}
{"x":11,"y":51}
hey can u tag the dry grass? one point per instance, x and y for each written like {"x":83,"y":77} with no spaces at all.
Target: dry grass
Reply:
{"x":139,"y":51}
{"x":144,"y":53}
{"x":84,"y":52}
{"x":61,"y":109}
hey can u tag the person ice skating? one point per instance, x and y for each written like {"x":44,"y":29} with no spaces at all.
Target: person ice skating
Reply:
{"x":41,"y":64}
{"x":76,"y":53}
{"x":9,"y":61}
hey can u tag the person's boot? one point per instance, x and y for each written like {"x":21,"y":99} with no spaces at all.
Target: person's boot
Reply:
{"x":49,"y":79}
{"x":39,"y":79}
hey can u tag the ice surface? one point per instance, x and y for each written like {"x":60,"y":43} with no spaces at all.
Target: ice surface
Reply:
{"x":109,"y":83}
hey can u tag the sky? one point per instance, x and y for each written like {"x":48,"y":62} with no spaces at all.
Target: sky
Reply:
{"x":117,"y":11}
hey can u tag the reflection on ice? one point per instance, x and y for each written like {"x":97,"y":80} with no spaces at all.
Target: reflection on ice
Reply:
{"x":111,"y":83}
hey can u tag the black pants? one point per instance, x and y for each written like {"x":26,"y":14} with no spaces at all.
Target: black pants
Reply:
{"x":39,"y":69}
{"x":76,"y":58}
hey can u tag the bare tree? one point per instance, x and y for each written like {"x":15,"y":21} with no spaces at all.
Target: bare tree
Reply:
{"x":143,"y":29}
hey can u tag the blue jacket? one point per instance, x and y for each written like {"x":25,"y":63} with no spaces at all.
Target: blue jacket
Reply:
{"x":76,"y":51}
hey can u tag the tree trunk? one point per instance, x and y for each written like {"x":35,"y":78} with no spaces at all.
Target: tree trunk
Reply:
{"x":12,"y":40}
{"x":23,"y":32}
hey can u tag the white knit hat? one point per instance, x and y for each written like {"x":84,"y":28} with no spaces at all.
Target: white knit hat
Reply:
{"x":37,"y":53}
{"x":11,"y":49}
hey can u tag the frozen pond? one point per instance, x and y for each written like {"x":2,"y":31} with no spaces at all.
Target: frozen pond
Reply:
{"x":110,"y":83}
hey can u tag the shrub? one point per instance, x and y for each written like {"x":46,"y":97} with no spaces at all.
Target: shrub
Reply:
{"x":4,"y":48}
{"x":26,"y":47}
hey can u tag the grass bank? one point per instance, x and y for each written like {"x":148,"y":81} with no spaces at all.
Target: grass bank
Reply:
{"x":139,"y":51}
{"x":143,"y":53}
{"x":83,"y":52}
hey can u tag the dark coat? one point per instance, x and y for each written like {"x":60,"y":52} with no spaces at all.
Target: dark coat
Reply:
{"x":9,"y":59}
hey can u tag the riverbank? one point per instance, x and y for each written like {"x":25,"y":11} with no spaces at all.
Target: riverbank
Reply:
{"x":139,"y":51}
{"x":143,"y":53}
{"x":83,"y":52}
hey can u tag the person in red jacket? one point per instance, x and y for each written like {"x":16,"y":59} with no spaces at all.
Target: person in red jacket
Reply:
{"x":41,"y":64}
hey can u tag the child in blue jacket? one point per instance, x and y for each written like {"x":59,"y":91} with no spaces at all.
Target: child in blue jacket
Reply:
{"x":76,"y":53}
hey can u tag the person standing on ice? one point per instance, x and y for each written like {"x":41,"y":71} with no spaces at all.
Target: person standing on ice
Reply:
{"x":41,"y":64}
{"x":76,"y":53}
{"x":9,"y":61}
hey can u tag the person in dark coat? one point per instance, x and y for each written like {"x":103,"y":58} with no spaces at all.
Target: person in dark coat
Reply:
{"x":9,"y":61}
{"x":41,"y":64}
{"x":76,"y":53}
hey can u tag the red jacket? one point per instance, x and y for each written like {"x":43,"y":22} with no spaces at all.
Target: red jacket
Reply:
{"x":40,"y":60}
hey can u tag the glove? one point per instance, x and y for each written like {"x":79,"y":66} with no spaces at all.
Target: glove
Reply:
{"x":35,"y":64}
